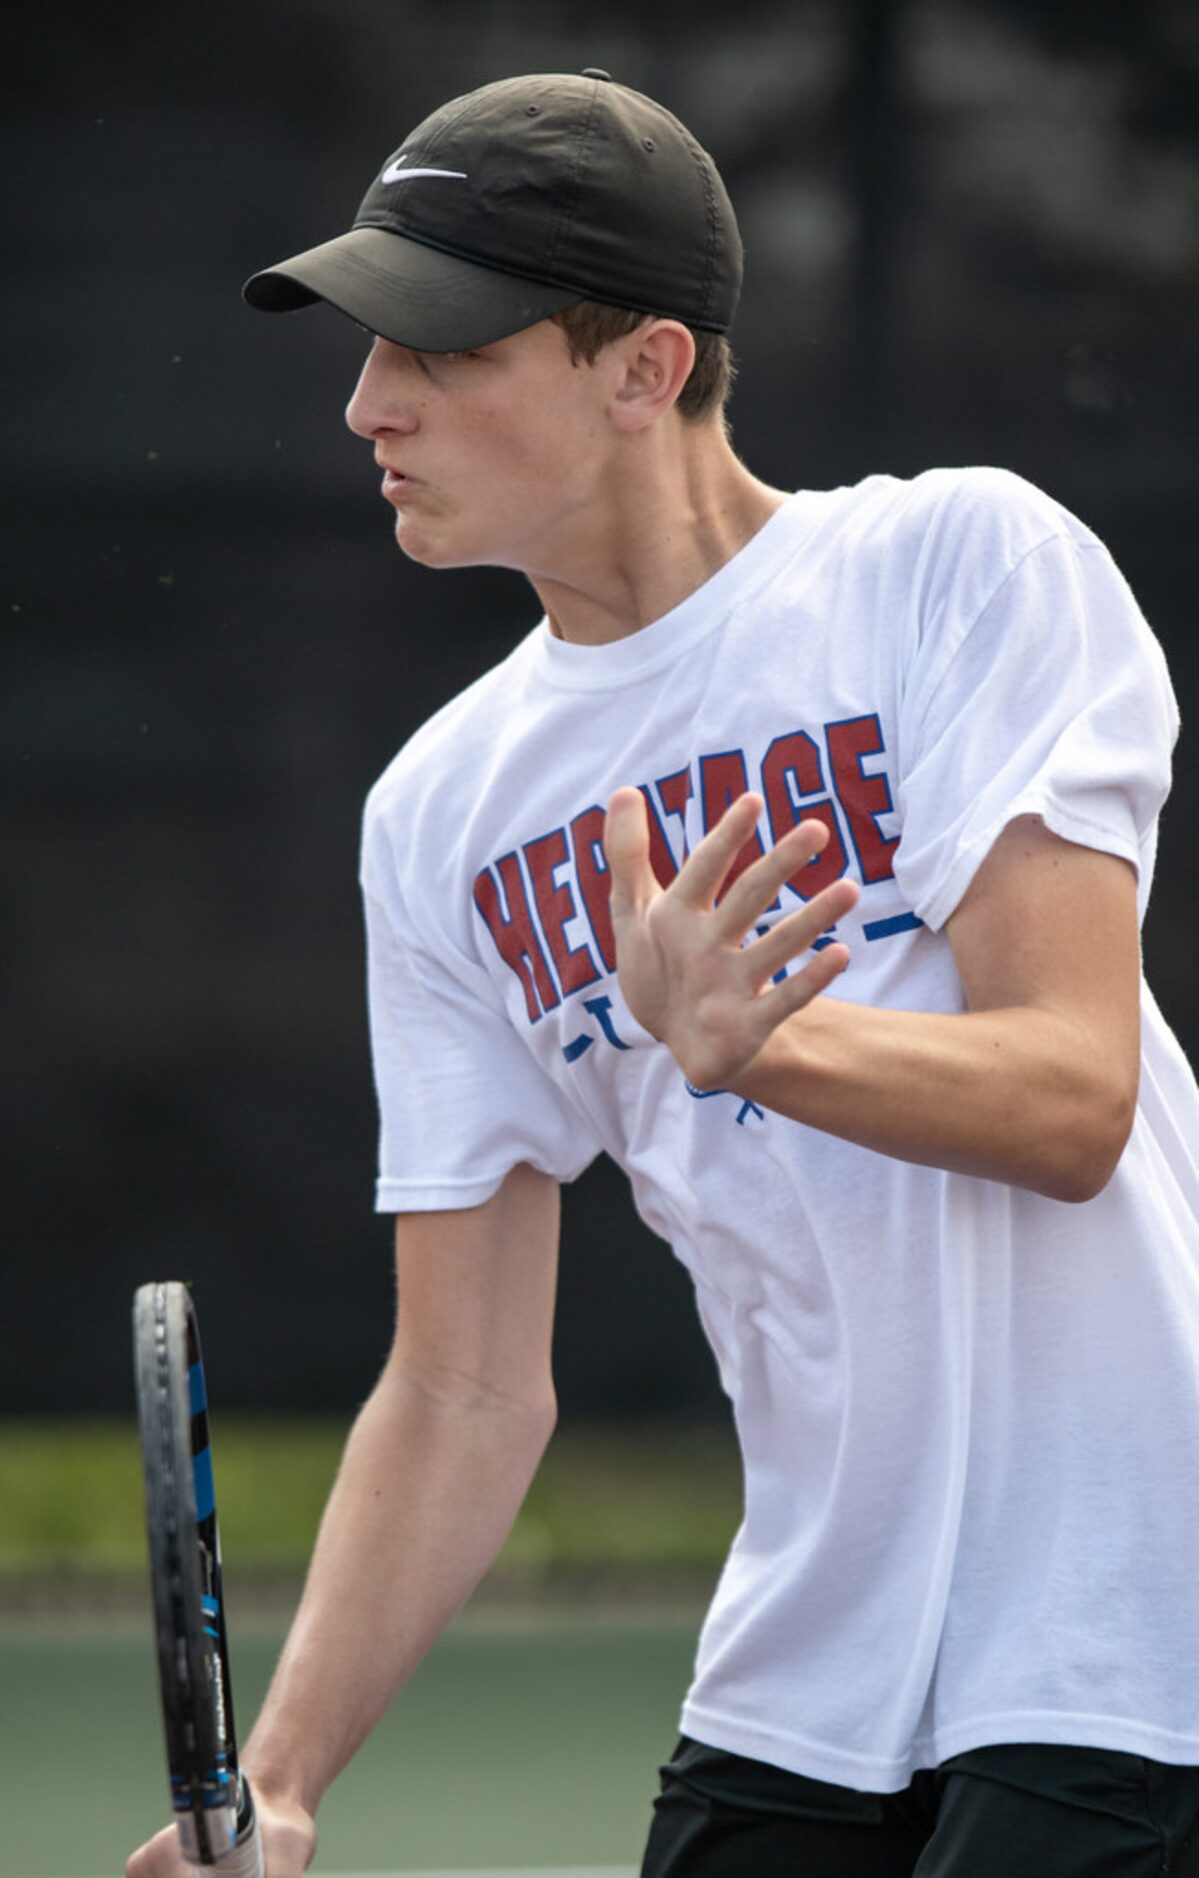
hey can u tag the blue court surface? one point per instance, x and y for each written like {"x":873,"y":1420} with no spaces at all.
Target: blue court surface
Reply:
{"x":526,"y":1746}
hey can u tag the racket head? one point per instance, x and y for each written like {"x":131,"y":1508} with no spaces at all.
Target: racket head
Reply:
{"x":210,"y":1801}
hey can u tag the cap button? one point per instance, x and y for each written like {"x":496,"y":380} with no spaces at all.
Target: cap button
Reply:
{"x":593,"y":71}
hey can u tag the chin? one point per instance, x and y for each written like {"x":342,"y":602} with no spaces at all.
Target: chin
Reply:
{"x":432,"y":549}
{"x":418,"y":544}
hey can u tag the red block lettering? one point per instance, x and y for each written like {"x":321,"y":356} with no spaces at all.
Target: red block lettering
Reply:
{"x":722,"y":778}
{"x":660,"y":858}
{"x":595,"y":882}
{"x":556,"y":906}
{"x":791,"y":771}
{"x":862,"y":797}
{"x":515,"y":935}
{"x":675,"y":792}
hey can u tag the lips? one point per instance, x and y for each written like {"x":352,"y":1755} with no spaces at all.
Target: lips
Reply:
{"x":396,"y":485}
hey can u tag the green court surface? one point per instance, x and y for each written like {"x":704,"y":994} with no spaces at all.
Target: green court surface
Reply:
{"x":525,"y":1743}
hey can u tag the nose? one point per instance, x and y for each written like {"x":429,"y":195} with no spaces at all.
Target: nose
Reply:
{"x":385,"y":395}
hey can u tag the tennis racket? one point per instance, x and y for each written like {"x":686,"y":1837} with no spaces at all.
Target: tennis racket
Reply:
{"x":211,"y":1800}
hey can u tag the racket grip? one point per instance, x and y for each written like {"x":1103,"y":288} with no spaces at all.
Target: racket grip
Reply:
{"x":245,"y":1860}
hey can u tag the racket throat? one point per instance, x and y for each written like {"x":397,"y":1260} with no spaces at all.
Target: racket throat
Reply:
{"x":208,"y":1831}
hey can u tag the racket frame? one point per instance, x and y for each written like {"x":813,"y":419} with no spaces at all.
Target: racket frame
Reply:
{"x":210,"y":1799}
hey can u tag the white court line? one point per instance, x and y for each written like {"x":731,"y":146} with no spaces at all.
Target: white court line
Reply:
{"x":506,"y":1871}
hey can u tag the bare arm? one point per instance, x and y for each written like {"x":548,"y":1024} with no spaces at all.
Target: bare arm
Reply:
{"x":435,"y":1469}
{"x":1034,"y":1084}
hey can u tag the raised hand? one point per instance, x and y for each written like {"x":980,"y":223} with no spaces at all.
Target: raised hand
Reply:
{"x":689,"y":970}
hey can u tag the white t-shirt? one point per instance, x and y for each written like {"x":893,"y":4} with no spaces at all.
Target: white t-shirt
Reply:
{"x":969,"y":1415}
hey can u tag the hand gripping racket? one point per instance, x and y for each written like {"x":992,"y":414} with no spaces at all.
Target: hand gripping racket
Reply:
{"x":213,"y":1808}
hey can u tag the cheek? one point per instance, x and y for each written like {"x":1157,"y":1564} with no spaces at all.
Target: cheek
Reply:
{"x":556,"y":448}
{"x":532,"y":453}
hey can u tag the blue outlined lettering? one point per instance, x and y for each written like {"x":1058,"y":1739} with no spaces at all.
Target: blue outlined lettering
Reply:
{"x":601,"y":1009}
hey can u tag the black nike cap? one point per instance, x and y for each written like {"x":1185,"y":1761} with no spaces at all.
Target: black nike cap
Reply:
{"x":517,"y":200}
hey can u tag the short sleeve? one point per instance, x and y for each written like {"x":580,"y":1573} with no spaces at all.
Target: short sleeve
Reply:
{"x":1054,"y":701}
{"x":461,"y":1099}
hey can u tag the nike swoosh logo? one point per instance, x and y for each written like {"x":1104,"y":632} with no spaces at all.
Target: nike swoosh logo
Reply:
{"x":397,"y":173}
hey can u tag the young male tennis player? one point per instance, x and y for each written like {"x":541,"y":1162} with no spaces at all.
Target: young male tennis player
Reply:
{"x":847,"y":979}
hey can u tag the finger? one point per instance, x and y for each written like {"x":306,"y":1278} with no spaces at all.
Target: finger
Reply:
{"x":793,"y":935}
{"x":758,"y":887}
{"x":626,"y":848}
{"x":782,"y":1001}
{"x":704,"y":872}
{"x":773,"y":1007}
{"x":160,"y":1857}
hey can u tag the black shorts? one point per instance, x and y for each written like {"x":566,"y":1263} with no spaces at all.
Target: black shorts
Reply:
{"x":1003,"y":1812}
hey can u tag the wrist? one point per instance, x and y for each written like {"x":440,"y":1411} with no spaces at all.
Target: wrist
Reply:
{"x":279,"y":1784}
{"x":788,"y":1063}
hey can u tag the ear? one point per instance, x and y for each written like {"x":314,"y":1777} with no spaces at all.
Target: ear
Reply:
{"x":656,"y":361}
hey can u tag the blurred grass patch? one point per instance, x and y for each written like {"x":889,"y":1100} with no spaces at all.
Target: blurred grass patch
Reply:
{"x":642,"y":1498}
{"x":636,"y":1499}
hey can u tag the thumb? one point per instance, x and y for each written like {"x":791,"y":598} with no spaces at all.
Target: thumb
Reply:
{"x":626,"y":845}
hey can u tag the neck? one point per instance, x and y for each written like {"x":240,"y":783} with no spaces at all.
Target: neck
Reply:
{"x":666,"y":518}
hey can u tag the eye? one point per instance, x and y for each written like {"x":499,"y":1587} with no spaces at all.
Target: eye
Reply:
{"x":434,"y":363}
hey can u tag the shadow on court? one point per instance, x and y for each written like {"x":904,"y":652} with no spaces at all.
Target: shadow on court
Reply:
{"x":520,"y":1743}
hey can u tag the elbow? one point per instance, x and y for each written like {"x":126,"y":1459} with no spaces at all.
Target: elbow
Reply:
{"x":527,"y":1426}
{"x":1080,"y":1181}
{"x":545,"y":1422}
{"x":526,"y":1438}
{"x":1087,"y":1154}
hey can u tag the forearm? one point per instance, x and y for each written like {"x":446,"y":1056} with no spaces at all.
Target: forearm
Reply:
{"x":428,"y":1488}
{"x":1019,"y":1095}
{"x":1033,"y":1083}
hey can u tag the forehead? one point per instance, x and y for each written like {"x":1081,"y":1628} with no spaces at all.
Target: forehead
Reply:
{"x":545,"y":340}
{"x":538,"y":355}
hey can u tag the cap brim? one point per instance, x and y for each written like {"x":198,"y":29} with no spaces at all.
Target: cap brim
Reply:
{"x":407,"y":292}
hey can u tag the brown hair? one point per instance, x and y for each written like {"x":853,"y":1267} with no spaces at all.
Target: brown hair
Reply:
{"x":589,"y":326}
